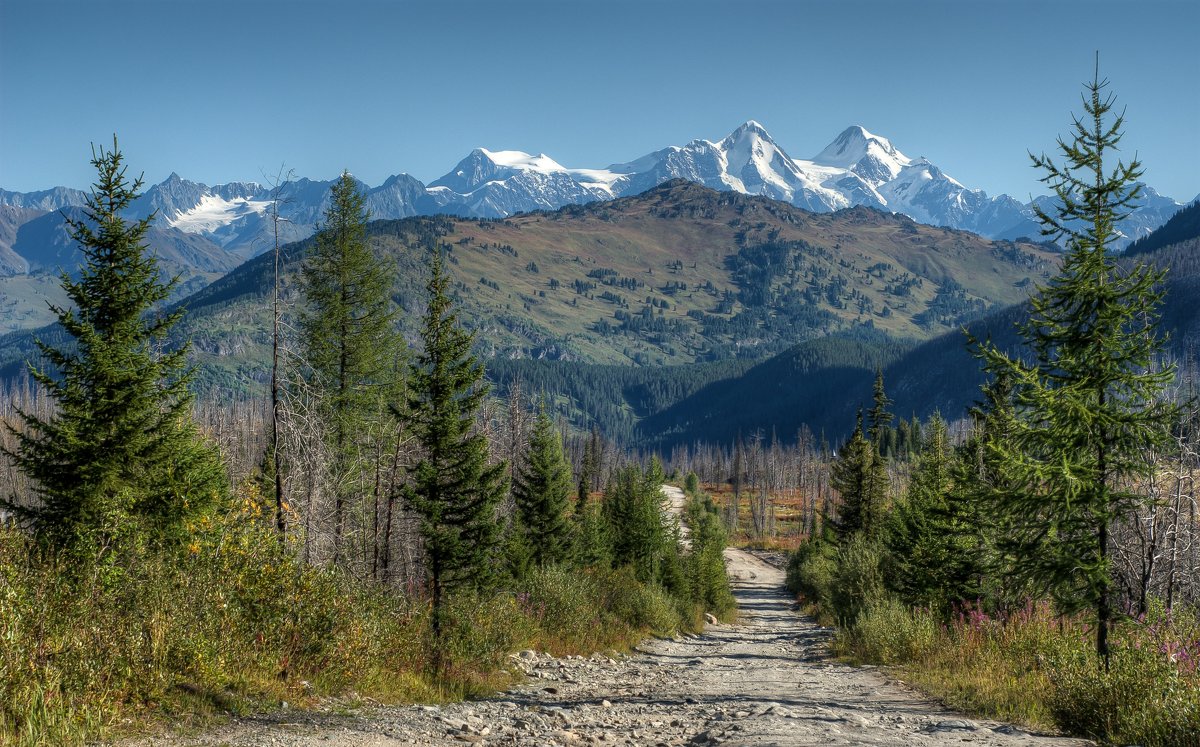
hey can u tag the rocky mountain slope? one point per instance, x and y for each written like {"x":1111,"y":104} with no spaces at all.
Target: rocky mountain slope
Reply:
{"x":35,"y":246}
{"x":856,"y":168}
{"x":678,"y":274}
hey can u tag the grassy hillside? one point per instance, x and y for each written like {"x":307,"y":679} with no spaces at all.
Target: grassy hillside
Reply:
{"x":678,"y":275}
{"x":682,"y":273}
{"x":938,"y":374}
{"x":586,"y":303}
{"x":25,"y":300}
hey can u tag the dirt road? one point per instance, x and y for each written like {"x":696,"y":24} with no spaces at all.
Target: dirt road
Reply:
{"x":764,"y":681}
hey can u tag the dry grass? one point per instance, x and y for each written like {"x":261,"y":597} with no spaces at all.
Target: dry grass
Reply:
{"x":1040,"y":670}
{"x":231,"y":625}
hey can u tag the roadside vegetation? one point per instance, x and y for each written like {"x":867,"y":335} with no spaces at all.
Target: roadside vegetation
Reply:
{"x":1041,"y":569}
{"x":385,"y":540}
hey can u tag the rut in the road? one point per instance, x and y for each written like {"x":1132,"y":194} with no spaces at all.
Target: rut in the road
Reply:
{"x":763,"y":681}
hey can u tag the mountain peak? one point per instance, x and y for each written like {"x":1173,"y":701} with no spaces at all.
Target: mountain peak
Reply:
{"x":749,"y":129}
{"x":520,"y":160}
{"x":873,"y":158}
{"x":854,"y":144}
{"x":752,"y":124}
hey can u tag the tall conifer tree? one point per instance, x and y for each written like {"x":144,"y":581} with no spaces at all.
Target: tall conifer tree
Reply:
{"x":348,"y":335}
{"x":453,"y":489}
{"x":932,"y":535}
{"x":542,"y":493}
{"x":1089,"y":405}
{"x":121,"y":453}
{"x":981,"y":481}
{"x":879,"y":417}
{"x":860,"y":477}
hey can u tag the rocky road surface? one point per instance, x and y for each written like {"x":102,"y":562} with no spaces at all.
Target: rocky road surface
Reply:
{"x":766,"y":680}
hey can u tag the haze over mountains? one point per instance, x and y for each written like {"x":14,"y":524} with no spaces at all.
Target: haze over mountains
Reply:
{"x":857,"y":168}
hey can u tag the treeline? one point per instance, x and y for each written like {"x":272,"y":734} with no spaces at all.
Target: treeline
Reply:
{"x":390,"y":531}
{"x":613,"y":398}
{"x":803,"y":387}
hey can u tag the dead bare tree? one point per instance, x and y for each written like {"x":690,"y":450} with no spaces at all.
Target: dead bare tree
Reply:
{"x":281,"y":179}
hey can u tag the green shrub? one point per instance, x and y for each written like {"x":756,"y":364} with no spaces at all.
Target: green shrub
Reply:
{"x":639,"y":605}
{"x":889,"y":632}
{"x":567,"y":606}
{"x":810,"y":575}
{"x":1149,"y":695}
{"x":858,"y":579}
{"x":482,"y":631}
{"x":233,"y":622}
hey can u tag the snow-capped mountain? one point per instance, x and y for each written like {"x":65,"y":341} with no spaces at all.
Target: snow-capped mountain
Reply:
{"x":747,"y":161}
{"x":493,"y":184}
{"x":857,"y":168}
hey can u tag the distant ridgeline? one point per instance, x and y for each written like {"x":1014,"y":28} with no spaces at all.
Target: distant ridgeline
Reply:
{"x":631,"y":294}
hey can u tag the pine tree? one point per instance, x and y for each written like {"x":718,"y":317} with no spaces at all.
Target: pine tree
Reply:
{"x":453,"y":488}
{"x":707,"y":579}
{"x":860,"y":477}
{"x":1089,"y":405}
{"x":931,"y":538}
{"x":593,"y":536}
{"x":542,"y":492}
{"x":121,"y":455}
{"x":633,"y":510}
{"x":586,"y":467}
{"x":982,"y":479}
{"x":348,"y":337}
{"x":879,"y":416}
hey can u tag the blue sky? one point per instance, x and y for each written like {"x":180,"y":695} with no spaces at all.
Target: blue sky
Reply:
{"x":226,"y":90}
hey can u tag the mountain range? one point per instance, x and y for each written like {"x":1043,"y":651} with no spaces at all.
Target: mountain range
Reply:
{"x":741,"y":314}
{"x":679,"y":274}
{"x":857,"y":169}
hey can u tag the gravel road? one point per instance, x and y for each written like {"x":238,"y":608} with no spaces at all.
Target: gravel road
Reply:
{"x":766,"y":680}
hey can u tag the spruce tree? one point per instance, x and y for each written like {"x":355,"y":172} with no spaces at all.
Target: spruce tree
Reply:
{"x":880,"y":417}
{"x":586,"y":467}
{"x":1088,"y":404}
{"x":542,"y":493}
{"x":860,"y":477}
{"x":633,"y":508}
{"x":348,"y":337}
{"x":982,"y":479}
{"x":932,"y":539}
{"x":121,"y":455}
{"x":453,"y":488}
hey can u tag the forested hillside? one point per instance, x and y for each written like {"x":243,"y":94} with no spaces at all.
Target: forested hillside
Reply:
{"x":940,"y":374}
{"x":679,"y":274}
{"x":1182,"y":226}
